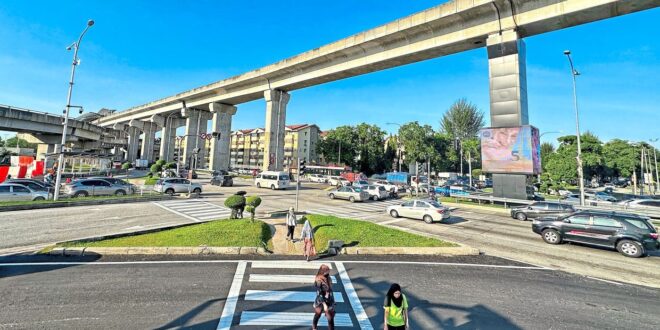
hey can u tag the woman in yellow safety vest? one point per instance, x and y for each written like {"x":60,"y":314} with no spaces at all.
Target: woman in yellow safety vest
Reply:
{"x":396,"y":309}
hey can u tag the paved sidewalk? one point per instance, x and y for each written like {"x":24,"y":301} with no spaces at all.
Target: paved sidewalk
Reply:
{"x":281,"y":245}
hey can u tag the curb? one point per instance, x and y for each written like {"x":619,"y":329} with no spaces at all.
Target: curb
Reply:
{"x":82,"y":203}
{"x":198,"y":250}
{"x":436,"y":251}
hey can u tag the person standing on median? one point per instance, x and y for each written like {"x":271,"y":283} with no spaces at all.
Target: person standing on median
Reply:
{"x":290,"y":223}
{"x":307,"y":236}
{"x":396,"y":309}
{"x":325,"y":299}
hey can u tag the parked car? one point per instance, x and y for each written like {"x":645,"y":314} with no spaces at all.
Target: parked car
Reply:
{"x":317,"y":178}
{"x":32,"y":184}
{"x":272,"y":179}
{"x":632,"y":235}
{"x":118,"y":182}
{"x":222,"y":180}
{"x":13,"y":192}
{"x":333,"y":180}
{"x":640,"y":204}
{"x":95,"y":187}
{"x":352,"y":194}
{"x":376,"y":193}
{"x":177,"y":185}
{"x":340,"y":182}
{"x":603,"y":196}
{"x":541,"y":209}
{"x":360,"y":183}
{"x":427,"y":210}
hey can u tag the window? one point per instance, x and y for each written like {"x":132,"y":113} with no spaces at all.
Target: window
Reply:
{"x":4,"y":189}
{"x":639,"y":223}
{"x":284,"y":177}
{"x":554,"y":207}
{"x":605,"y":221}
{"x":408,"y":204}
{"x":579,"y":219}
{"x":650,"y":203}
{"x":421,"y":204}
{"x":343,"y":189}
{"x":539,"y":206}
{"x":184,"y":181}
{"x":19,"y":189}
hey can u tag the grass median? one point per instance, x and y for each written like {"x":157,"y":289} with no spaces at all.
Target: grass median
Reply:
{"x":218,"y":233}
{"x":365,"y":234}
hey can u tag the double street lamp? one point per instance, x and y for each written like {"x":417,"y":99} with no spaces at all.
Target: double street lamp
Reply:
{"x":575,"y":73}
{"x":76,"y":61}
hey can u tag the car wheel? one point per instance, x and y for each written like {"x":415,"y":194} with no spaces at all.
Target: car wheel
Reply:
{"x":394,"y":214}
{"x":197,"y":191}
{"x":258,"y":185}
{"x":272,"y":187}
{"x":351,"y":199}
{"x":120,"y":193}
{"x":630,"y":248}
{"x":39,"y":198}
{"x":332,"y":196}
{"x":169,"y":191}
{"x":521,"y":216}
{"x":551,"y":236}
{"x":81,"y":194}
{"x":428,"y":219}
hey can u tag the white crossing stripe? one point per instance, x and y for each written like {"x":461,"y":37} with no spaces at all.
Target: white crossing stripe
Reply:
{"x":291,"y":319}
{"x":290,"y":296}
{"x":360,"y":314}
{"x":305,"y":279}
{"x":232,"y":298}
{"x":289,"y":264}
{"x":195,"y":210}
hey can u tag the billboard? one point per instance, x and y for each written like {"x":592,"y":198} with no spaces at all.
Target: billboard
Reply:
{"x":513,"y":150}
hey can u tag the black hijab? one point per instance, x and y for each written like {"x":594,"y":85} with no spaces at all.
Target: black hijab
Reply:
{"x":390,"y":295}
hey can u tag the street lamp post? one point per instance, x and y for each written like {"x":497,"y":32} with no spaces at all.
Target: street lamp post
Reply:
{"x":655,"y":161}
{"x":575,"y":73}
{"x":398,"y":143}
{"x":76,"y":61}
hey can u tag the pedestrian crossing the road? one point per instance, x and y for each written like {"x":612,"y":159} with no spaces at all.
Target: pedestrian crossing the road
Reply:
{"x":195,"y":210}
{"x":279,"y":294}
{"x":364,"y":211}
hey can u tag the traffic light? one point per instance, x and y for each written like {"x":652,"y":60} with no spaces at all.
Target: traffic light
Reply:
{"x":301,"y":167}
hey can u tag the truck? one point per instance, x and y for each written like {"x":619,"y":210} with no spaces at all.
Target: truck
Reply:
{"x":397,"y":177}
{"x":141,"y":163}
{"x":352,"y":177}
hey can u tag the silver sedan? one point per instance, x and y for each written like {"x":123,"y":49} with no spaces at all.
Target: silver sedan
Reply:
{"x":352,"y":194}
{"x":427,"y":210}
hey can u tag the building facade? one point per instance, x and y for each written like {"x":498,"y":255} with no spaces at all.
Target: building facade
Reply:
{"x":247,"y":146}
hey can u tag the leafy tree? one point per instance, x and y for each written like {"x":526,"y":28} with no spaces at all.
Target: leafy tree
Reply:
{"x":462,"y":121}
{"x":621,"y":158}
{"x":390,"y":154}
{"x":342,"y":138}
{"x":562,"y":165}
{"x":11,"y":143}
{"x":546,"y":150}
{"x":446,"y":157}
{"x":417,"y":141}
{"x":252,"y":202}
{"x":370,"y":151}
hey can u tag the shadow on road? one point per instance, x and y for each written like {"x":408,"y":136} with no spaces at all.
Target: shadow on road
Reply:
{"x":181,"y":322}
{"x":453,"y":220}
{"x":14,"y":265}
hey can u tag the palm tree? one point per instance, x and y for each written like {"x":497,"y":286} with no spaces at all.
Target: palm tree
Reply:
{"x":462,"y":121}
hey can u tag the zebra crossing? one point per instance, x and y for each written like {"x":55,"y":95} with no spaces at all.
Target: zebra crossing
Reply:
{"x":364,"y":211}
{"x":279,"y":294}
{"x":195,"y":210}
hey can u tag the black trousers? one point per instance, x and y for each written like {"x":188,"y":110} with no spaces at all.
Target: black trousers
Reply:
{"x":391,"y":327}
{"x":290,"y":231}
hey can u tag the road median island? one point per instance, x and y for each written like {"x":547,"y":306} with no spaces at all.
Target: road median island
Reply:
{"x":81,"y":201}
{"x":237,"y":236}
{"x":362,"y":237}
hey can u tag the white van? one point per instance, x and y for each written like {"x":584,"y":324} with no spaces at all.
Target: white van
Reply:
{"x":272,"y":179}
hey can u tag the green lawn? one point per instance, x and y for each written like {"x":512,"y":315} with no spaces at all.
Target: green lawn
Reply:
{"x":240,"y":232}
{"x":365,"y":234}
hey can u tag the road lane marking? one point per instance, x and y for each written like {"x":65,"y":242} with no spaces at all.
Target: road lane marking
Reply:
{"x":289,"y":264}
{"x":232,"y":298}
{"x":303,"y":279}
{"x":175,"y":212}
{"x":289,"y":296}
{"x":291,"y":319}
{"x":606,"y":281}
{"x":387,"y":222}
{"x":360,"y":314}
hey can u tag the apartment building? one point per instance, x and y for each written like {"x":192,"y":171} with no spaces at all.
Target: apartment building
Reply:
{"x":300,"y":142}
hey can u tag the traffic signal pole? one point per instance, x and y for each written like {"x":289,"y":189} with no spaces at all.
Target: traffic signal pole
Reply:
{"x":297,"y":183}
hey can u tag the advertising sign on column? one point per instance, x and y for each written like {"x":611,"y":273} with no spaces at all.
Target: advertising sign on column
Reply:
{"x":512,"y":150}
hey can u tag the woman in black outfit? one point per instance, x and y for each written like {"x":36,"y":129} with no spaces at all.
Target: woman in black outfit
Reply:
{"x":325,"y":300}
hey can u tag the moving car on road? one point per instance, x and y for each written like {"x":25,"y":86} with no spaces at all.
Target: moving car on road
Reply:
{"x":11,"y":192}
{"x":176,"y":185}
{"x":427,"y":210}
{"x":222,"y":180}
{"x":319,"y":178}
{"x":273,"y":180}
{"x":352,"y":194}
{"x":118,"y":182}
{"x":95,"y":187}
{"x":650,"y":204}
{"x":376,"y":193}
{"x":32,"y":184}
{"x":541,"y":209}
{"x":632,"y":235}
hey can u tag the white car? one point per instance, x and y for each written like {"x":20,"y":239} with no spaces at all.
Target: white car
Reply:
{"x":389,"y":186}
{"x":272,"y":179}
{"x":360,"y":183}
{"x":376,"y":193}
{"x":317,"y":178}
{"x":333,"y":180}
{"x":641,"y":204}
{"x":427,"y":210}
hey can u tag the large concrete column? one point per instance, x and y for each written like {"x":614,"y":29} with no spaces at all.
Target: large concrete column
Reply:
{"x":276,"y":102}
{"x":168,"y":143}
{"x":221,"y":123}
{"x":149,"y":129}
{"x":134,"y":130}
{"x":508,"y":100}
{"x":196,"y":122}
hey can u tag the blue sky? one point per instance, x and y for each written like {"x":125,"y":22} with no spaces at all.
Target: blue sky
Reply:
{"x":139,"y":51}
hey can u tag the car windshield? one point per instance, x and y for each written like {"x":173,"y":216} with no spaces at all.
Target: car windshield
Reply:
{"x":284,"y":177}
{"x":357,"y":189}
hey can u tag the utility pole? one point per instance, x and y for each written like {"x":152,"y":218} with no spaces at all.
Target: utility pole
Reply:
{"x":641,"y":172}
{"x":575,"y":73}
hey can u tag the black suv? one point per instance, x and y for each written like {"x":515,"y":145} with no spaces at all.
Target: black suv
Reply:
{"x":630,"y":234}
{"x":541,"y":209}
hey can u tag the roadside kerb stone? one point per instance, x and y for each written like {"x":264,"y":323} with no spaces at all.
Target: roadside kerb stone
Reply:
{"x":438,"y":251}
{"x":177,"y":250}
{"x":7,"y":208}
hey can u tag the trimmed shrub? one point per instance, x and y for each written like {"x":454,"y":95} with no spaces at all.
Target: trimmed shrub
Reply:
{"x":160,"y":162}
{"x":126,"y":165}
{"x":170,"y":165}
{"x":155,"y":168}
{"x":237,"y":204}
{"x":252,"y":203}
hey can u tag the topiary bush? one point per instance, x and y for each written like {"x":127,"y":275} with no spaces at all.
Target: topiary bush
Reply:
{"x":160,"y":162}
{"x":237,"y":204}
{"x":252,"y":203}
{"x":126,"y":165}
{"x":155,"y":168}
{"x":170,"y":165}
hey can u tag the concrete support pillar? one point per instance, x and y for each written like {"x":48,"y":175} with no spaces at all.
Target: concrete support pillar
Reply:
{"x":508,"y":99}
{"x":221,"y":124}
{"x":196,"y":122}
{"x":149,"y":130}
{"x":134,"y":130}
{"x":276,"y":102}
{"x":168,"y":137}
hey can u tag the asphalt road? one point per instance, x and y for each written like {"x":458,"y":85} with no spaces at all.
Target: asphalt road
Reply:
{"x":443,"y":293}
{"x":492,"y":233}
